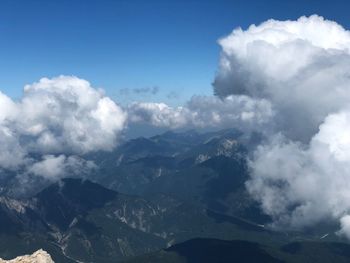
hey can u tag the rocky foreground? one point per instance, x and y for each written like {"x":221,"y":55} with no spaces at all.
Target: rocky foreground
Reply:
{"x":39,"y":256}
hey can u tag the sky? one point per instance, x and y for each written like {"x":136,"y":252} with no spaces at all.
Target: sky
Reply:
{"x":126,"y":47}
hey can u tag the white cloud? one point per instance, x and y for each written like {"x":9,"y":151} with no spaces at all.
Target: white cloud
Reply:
{"x":286,"y":180}
{"x":9,"y":109}
{"x":302,"y":67}
{"x":12,"y":155}
{"x":205,"y":111}
{"x":345,"y":226}
{"x":301,"y":174}
{"x":300,"y":185}
{"x":53,"y":167}
{"x":66,"y":114}
{"x":62,"y":115}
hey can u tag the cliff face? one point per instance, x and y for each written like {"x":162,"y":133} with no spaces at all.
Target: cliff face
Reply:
{"x":39,"y":256}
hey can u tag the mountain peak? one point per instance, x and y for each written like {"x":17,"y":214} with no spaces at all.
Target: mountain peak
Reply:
{"x":39,"y":256}
{"x":70,"y":197}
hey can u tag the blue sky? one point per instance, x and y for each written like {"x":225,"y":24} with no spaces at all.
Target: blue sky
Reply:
{"x":120,"y":45}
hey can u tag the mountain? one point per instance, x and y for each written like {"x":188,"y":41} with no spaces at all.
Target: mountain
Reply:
{"x":39,"y":256}
{"x":168,"y":198}
{"x":208,"y":251}
{"x":209,"y":169}
{"x":78,"y":220}
{"x":222,"y":251}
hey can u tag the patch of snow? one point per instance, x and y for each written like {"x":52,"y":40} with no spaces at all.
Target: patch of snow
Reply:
{"x":159,"y":174}
{"x":120,"y":159}
{"x":202,"y":158}
{"x":74,"y":221}
{"x":12,"y":204}
{"x":322,"y":237}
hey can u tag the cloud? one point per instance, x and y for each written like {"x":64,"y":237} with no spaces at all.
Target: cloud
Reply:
{"x":300,"y":175}
{"x":147,"y":90}
{"x":66,"y":114}
{"x":12,"y":154}
{"x":53,"y":167}
{"x":301,"y":185}
{"x":345,"y":226}
{"x":152,"y":90}
{"x":62,"y":115}
{"x":302,"y":67}
{"x":204,"y":111}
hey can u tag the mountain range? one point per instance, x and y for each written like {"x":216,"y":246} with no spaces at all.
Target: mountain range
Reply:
{"x":174,"y":197}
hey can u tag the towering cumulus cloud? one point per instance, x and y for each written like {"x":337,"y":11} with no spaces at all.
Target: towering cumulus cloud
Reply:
{"x":301,"y":175}
{"x":56,"y":119}
{"x":301,"y":66}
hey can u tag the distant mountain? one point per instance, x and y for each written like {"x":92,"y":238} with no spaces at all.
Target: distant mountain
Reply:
{"x":209,"y":169}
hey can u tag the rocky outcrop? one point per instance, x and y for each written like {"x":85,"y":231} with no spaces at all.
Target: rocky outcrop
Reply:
{"x":39,"y":256}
